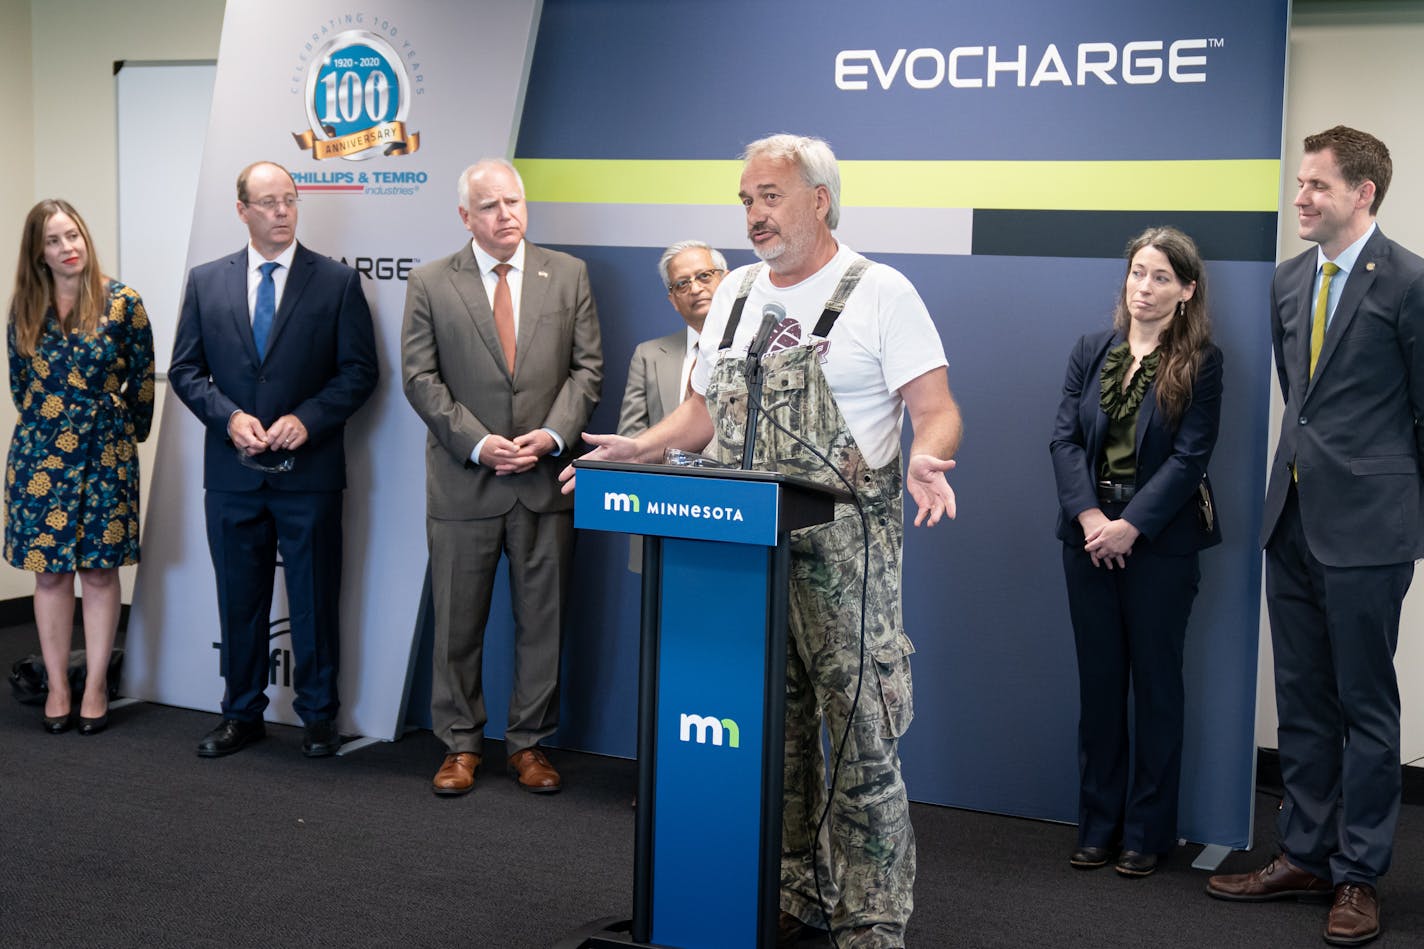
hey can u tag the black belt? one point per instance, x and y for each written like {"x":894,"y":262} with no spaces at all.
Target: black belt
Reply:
{"x":1115,"y":492}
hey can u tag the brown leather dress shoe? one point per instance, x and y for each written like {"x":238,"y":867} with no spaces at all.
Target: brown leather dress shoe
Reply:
{"x":1354,"y":917}
{"x":533,"y":771}
{"x":1278,"y":880}
{"x":456,"y":774}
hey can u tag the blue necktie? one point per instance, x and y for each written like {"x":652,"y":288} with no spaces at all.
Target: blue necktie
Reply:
{"x":265,"y":308}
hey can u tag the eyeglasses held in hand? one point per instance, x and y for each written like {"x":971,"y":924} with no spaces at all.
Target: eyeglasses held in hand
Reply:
{"x":288,"y":462}
{"x":703,"y":278}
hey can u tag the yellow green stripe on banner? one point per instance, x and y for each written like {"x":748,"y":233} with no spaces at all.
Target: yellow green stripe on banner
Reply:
{"x":1219,"y":185}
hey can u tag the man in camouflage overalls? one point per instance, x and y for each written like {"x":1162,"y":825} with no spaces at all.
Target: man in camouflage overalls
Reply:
{"x":856,"y":876}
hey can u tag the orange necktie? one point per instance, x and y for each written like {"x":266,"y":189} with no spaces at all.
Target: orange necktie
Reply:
{"x":504,"y":314}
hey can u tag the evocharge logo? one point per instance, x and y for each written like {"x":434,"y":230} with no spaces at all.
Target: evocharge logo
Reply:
{"x":1139,"y":62}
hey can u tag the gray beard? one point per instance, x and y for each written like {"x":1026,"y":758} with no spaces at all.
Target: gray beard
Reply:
{"x":785,"y":252}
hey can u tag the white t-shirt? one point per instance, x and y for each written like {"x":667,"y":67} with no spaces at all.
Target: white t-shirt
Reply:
{"x":883,"y":339}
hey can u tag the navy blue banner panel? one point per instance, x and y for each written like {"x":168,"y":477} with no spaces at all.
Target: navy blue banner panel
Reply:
{"x":1001,"y":156}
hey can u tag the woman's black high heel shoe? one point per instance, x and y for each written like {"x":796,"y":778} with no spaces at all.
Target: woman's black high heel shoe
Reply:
{"x":93,"y":726}
{"x":59,"y":724}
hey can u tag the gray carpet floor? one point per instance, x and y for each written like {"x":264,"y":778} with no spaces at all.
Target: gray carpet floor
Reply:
{"x":129,"y":839}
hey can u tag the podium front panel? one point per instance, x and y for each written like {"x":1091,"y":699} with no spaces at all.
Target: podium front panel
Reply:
{"x":710,"y":727}
{"x":700,"y":508}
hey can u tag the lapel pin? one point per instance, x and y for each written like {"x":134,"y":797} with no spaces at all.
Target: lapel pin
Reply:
{"x":545,"y":273}
{"x":1370,"y":266}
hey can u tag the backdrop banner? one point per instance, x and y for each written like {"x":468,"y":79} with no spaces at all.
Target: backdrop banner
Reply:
{"x":1000,"y":155}
{"x":375,"y":115}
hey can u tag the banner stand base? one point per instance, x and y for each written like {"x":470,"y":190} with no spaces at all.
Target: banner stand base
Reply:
{"x":1210,"y":857}
{"x":356,"y":744}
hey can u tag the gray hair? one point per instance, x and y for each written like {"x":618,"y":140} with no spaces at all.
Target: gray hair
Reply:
{"x":665,"y":261}
{"x":464,"y":186}
{"x":813,"y":157}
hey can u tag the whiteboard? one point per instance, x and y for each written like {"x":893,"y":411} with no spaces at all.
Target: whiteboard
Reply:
{"x":162,"y":122}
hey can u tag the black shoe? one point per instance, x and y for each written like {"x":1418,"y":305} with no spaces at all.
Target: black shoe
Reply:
{"x":59,"y":724}
{"x":93,"y":726}
{"x":320,"y":739}
{"x":230,"y":735}
{"x":1090,"y":858}
{"x":1134,"y":864}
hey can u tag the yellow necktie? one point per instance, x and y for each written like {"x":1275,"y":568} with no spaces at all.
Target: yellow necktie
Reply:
{"x":1317,"y":324}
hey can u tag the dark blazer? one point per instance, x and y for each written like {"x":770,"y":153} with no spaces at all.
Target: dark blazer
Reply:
{"x":320,"y":366}
{"x":1353,"y":429}
{"x":1170,"y":464}
{"x":654,"y":377}
{"x":456,"y":379}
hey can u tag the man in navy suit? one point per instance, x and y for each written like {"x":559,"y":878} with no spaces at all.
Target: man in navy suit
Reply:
{"x":1344,"y":523}
{"x":274,"y":352}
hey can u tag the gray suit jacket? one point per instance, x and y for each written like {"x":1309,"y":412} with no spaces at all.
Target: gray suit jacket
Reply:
{"x":1354,"y":428}
{"x":454,"y":374}
{"x":654,"y":377}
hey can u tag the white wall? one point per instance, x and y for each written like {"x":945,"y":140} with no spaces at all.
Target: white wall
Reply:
{"x":16,"y":199}
{"x":1357,"y":63}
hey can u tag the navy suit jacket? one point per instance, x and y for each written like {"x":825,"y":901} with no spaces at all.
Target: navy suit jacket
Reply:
{"x":1171,"y":464}
{"x":1353,"y":429}
{"x":320,"y":366}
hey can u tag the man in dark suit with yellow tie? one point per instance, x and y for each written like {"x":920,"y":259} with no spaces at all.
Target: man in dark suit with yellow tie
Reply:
{"x":502,"y":360}
{"x":274,"y":352}
{"x":1344,"y":523}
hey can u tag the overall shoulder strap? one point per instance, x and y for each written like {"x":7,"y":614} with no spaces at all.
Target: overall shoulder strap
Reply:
{"x":837,"y":302}
{"x":736,"y":316}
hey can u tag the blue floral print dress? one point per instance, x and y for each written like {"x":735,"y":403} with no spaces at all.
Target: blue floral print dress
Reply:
{"x":72,"y":480}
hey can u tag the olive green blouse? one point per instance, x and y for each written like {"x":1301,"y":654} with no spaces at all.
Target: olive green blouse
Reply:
{"x":1120,"y":404}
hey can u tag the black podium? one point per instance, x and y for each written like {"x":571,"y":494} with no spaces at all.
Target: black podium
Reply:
{"x":711,"y":694}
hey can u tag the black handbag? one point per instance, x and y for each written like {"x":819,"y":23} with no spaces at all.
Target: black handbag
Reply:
{"x":29,"y":680}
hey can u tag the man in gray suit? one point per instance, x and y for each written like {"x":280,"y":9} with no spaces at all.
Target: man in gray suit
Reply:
{"x":1344,"y":523}
{"x":502,"y":360}
{"x":659,"y":370}
{"x":657,"y":374}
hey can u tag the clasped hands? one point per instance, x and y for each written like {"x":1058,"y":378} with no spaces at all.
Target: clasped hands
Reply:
{"x":507,"y":456}
{"x":249,"y":437}
{"x":1107,"y":542}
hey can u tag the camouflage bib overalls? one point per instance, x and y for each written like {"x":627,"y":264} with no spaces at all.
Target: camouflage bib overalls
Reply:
{"x":870,"y":895}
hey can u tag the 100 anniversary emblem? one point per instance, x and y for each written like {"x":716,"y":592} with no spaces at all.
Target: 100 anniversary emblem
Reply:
{"x":357,"y":100}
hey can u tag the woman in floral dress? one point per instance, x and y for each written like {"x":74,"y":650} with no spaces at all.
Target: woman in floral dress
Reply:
{"x":81,"y":374}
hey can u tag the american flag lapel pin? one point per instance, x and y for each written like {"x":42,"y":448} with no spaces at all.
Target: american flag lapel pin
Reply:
{"x":1370,"y":266}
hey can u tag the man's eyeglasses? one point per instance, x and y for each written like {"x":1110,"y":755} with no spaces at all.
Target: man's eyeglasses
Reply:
{"x":270,"y":204}
{"x":703,"y":278}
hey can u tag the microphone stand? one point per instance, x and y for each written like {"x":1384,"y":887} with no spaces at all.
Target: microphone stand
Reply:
{"x":754,"y":382}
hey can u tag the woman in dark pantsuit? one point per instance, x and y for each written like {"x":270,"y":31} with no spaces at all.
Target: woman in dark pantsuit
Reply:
{"x":1135,"y":430}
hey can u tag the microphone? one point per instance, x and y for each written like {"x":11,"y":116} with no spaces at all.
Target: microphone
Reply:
{"x":771,"y":314}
